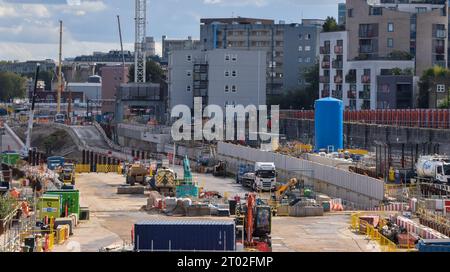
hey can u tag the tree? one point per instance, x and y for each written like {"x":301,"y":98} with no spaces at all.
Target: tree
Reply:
{"x":427,"y":81}
{"x":331,"y":25}
{"x":46,"y":76}
{"x":300,"y":98}
{"x":12,"y":85}
{"x":154,"y":72}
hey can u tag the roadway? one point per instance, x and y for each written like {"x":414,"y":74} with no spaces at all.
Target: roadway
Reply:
{"x":10,"y":141}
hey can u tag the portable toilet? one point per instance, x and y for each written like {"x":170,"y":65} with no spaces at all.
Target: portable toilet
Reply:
{"x":329,"y":124}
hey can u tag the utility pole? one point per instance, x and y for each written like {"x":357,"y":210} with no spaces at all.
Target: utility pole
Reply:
{"x":121,"y":47}
{"x":60,"y":84}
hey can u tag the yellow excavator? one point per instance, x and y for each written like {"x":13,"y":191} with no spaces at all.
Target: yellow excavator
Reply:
{"x":279,"y":194}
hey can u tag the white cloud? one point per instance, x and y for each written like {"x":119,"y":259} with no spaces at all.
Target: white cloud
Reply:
{"x":7,"y":11}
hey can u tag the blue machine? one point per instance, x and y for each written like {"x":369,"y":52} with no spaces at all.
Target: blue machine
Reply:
{"x":329,"y":124}
{"x":55,"y":162}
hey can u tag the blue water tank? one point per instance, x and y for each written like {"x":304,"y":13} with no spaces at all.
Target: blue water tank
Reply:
{"x":329,"y":124}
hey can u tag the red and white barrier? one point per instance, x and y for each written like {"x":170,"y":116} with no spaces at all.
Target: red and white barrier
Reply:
{"x":393,"y":207}
{"x":421,"y":230}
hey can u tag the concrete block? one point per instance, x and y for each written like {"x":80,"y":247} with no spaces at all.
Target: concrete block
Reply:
{"x":130,"y":190}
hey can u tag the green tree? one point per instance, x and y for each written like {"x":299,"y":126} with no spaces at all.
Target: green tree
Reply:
{"x":331,"y":25}
{"x":154,"y":72}
{"x":12,"y":86}
{"x":300,"y":98}
{"x":429,"y":77}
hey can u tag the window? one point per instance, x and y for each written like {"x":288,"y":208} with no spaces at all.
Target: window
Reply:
{"x":234,"y":57}
{"x":188,"y":88}
{"x":440,"y":88}
{"x":308,"y":60}
{"x":307,"y":48}
{"x":227,"y":73}
{"x":300,"y":82}
{"x":300,"y":59}
{"x":390,"y":27}
{"x":227,"y":88}
{"x":227,"y":57}
{"x":375,"y":11}
{"x":188,"y":73}
{"x":350,"y":13}
{"x":300,"y":48}
{"x":233,"y":88}
{"x":307,"y":36}
{"x":234,"y":73}
{"x":189,"y":58}
{"x":390,"y":42}
{"x":300,"y":36}
{"x":421,"y":9}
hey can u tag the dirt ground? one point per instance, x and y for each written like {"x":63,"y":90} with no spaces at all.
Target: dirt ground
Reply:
{"x":112,"y":217}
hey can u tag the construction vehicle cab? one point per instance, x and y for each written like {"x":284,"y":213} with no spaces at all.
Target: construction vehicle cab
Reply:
{"x":60,"y":118}
{"x":136,"y":173}
{"x":220,"y":169}
{"x":54,"y":162}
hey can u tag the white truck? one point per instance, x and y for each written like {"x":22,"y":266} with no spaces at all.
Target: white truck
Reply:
{"x":434,"y":169}
{"x":263,"y":178}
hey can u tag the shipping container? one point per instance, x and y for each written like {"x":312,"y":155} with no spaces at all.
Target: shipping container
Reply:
{"x":184,"y":235}
{"x":434,"y":245}
{"x":69,"y":199}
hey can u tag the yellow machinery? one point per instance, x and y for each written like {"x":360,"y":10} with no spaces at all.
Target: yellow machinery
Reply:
{"x":67,"y":173}
{"x":285,"y":188}
{"x":136,"y":173}
{"x":165,"y":181}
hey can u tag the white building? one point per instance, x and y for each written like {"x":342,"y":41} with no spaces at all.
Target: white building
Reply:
{"x":220,"y":76}
{"x":353,"y":81}
{"x":92,"y":89}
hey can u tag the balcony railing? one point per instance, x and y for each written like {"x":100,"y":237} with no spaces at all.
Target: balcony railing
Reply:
{"x":368,"y":34}
{"x":439,"y":49}
{"x":338,"y":50}
{"x":351,"y":94}
{"x":325,"y":64}
{"x":440,"y":33}
{"x":337,"y":94}
{"x":364,"y":95}
{"x":338,"y":64}
{"x":365,"y":79}
{"x":324,"y":79}
{"x":325,"y":93}
{"x":338,"y":79}
{"x":350,"y":78}
{"x":324,"y":50}
{"x":366,"y":49}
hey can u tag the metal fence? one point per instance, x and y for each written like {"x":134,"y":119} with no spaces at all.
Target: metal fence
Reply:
{"x":367,"y":186}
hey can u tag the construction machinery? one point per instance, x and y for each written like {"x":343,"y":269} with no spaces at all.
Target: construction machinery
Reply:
{"x":220,"y":169}
{"x":434,"y":169}
{"x":165,"y":180}
{"x":257,"y":222}
{"x":263,"y":178}
{"x":284,"y":189}
{"x":136,"y":173}
{"x":25,"y":150}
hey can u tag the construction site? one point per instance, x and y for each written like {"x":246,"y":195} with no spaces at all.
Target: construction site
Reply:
{"x":69,"y":184}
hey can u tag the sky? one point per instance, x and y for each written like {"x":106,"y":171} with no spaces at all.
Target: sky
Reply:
{"x":29,"y":29}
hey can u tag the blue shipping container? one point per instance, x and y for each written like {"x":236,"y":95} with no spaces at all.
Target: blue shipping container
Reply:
{"x":184,"y":235}
{"x":434,"y":245}
{"x":329,"y":124}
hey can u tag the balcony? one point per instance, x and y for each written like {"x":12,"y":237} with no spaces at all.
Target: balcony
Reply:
{"x":338,"y":79}
{"x":325,"y":93}
{"x":440,"y":34}
{"x":364,"y":95}
{"x":350,"y":78}
{"x":324,"y":79}
{"x":338,"y":64}
{"x":368,"y":34}
{"x":338,"y":50}
{"x":365,"y":49}
{"x":325,"y":64}
{"x":325,"y":50}
{"x":351,"y":94}
{"x":337,"y":94}
{"x":365,"y":79}
{"x":439,"y":50}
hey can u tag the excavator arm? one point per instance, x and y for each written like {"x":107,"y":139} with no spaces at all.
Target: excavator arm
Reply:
{"x":284,"y":188}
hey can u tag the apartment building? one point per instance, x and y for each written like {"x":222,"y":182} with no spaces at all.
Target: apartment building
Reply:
{"x":362,"y":84}
{"x":169,"y":45}
{"x":290,"y":48}
{"x":378,"y":28}
{"x":27,"y":67}
{"x":220,"y":77}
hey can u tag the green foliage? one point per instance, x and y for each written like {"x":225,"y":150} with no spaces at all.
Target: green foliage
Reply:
{"x":426,"y":82}
{"x":11,"y":86}
{"x":331,"y":25}
{"x":154,"y":72}
{"x":6,"y":206}
{"x":400,"y":55}
{"x":300,"y":98}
